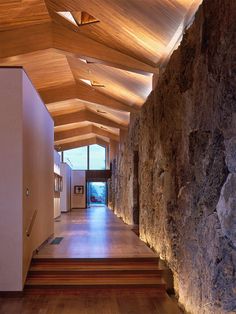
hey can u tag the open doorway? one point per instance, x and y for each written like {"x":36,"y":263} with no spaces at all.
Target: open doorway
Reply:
{"x":96,"y":194}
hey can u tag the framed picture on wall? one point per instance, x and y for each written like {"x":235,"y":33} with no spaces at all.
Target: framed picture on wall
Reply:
{"x":78,"y":189}
{"x":58,"y":184}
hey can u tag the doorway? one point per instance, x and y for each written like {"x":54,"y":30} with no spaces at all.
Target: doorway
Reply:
{"x":96,"y":194}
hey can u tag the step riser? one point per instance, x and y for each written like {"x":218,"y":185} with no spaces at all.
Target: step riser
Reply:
{"x":116,"y":273}
{"x":103,"y":291}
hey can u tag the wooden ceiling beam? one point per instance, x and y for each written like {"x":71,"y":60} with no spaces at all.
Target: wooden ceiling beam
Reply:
{"x":24,"y":40}
{"x":80,"y":46}
{"x":62,"y":135}
{"x":90,"y":129}
{"x":58,"y":93}
{"x":84,"y":93}
{"x":81,"y":143}
{"x":90,"y":94}
{"x":105,"y":133}
{"x":86,"y":115}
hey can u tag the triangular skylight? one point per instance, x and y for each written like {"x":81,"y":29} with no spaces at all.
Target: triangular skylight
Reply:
{"x":78,"y":18}
{"x":68,"y":16}
{"x":84,"y":18}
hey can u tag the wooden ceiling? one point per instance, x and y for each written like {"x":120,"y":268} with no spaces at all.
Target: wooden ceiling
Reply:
{"x":91,"y":75}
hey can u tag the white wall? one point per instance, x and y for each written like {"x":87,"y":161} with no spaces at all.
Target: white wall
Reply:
{"x":38,"y":146}
{"x":26,"y":138}
{"x":66,"y":191}
{"x":78,"y":177}
{"x":11,"y":179}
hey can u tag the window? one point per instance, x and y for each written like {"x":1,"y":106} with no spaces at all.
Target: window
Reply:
{"x":77,"y":158}
{"x":97,"y":157}
{"x":91,"y":157}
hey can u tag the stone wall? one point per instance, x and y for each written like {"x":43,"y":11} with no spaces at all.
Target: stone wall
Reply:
{"x":186,"y":138}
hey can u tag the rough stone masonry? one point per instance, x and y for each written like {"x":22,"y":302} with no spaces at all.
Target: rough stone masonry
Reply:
{"x":186,"y":139}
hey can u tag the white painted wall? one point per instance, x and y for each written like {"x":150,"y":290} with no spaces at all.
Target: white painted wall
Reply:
{"x":26,"y":139}
{"x":66,"y":191}
{"x":11,"y":179}
{"x":38,"y":146}
{"x":78,"y":177}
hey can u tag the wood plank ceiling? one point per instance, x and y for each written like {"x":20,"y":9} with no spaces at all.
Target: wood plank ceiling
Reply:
{"x":93,"y":61}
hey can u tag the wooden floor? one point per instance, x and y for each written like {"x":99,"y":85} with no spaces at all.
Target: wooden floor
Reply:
{"x":88,"y":304}
{"x":94,"y":241}
{"x":94,"y":233}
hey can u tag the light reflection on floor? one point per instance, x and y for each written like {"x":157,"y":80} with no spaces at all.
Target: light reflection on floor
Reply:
{"x":94,"y":233}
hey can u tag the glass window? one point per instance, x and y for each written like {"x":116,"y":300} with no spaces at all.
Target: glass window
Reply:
{"x":77,"y":158}
{"x":97,"y":157}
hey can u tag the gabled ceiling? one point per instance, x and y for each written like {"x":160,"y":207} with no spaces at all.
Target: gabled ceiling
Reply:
{"x":93,"y":61}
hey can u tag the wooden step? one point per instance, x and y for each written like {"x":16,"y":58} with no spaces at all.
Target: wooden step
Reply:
{"x":77,"y":274}
{"x":85,"y":281}
{"x":94,"y":264}
{"x":102,"y":290}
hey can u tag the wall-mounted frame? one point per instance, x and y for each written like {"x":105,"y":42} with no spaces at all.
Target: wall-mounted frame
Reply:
{"x":58,"y":184}
{"x":78,"y":189}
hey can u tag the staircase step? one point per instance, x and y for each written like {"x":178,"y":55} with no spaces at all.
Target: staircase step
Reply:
{"x":99,"y":280}
{"x":94,"y":273}
{"x":71,"y":275}
{"x":94,"y":264}
{"x":102,"y":290}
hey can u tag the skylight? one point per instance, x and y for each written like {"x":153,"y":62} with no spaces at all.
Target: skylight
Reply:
{"x":67,"y":15}
{"x":78,"y":18}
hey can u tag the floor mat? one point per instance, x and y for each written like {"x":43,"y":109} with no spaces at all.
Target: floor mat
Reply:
{"x":57,"y":240}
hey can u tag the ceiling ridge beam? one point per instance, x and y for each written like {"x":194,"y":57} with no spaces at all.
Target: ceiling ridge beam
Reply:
{"x":105,"y":133}
{"x":86,"y":115}
{"x":90,"y":94}
{"x":90,"y":129}
{"x":62,"y":135}
{"x":83,"y":93}
{"x":81,"y":143}
{"x":75,"y":144}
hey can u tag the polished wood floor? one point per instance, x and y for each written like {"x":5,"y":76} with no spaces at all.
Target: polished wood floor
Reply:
{"x":89,"y":304}
{"x":94,"y":233}
{"x":97,"y":249}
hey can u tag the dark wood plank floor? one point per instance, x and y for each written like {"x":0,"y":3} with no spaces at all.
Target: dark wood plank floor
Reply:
{"x":109,"y":303}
